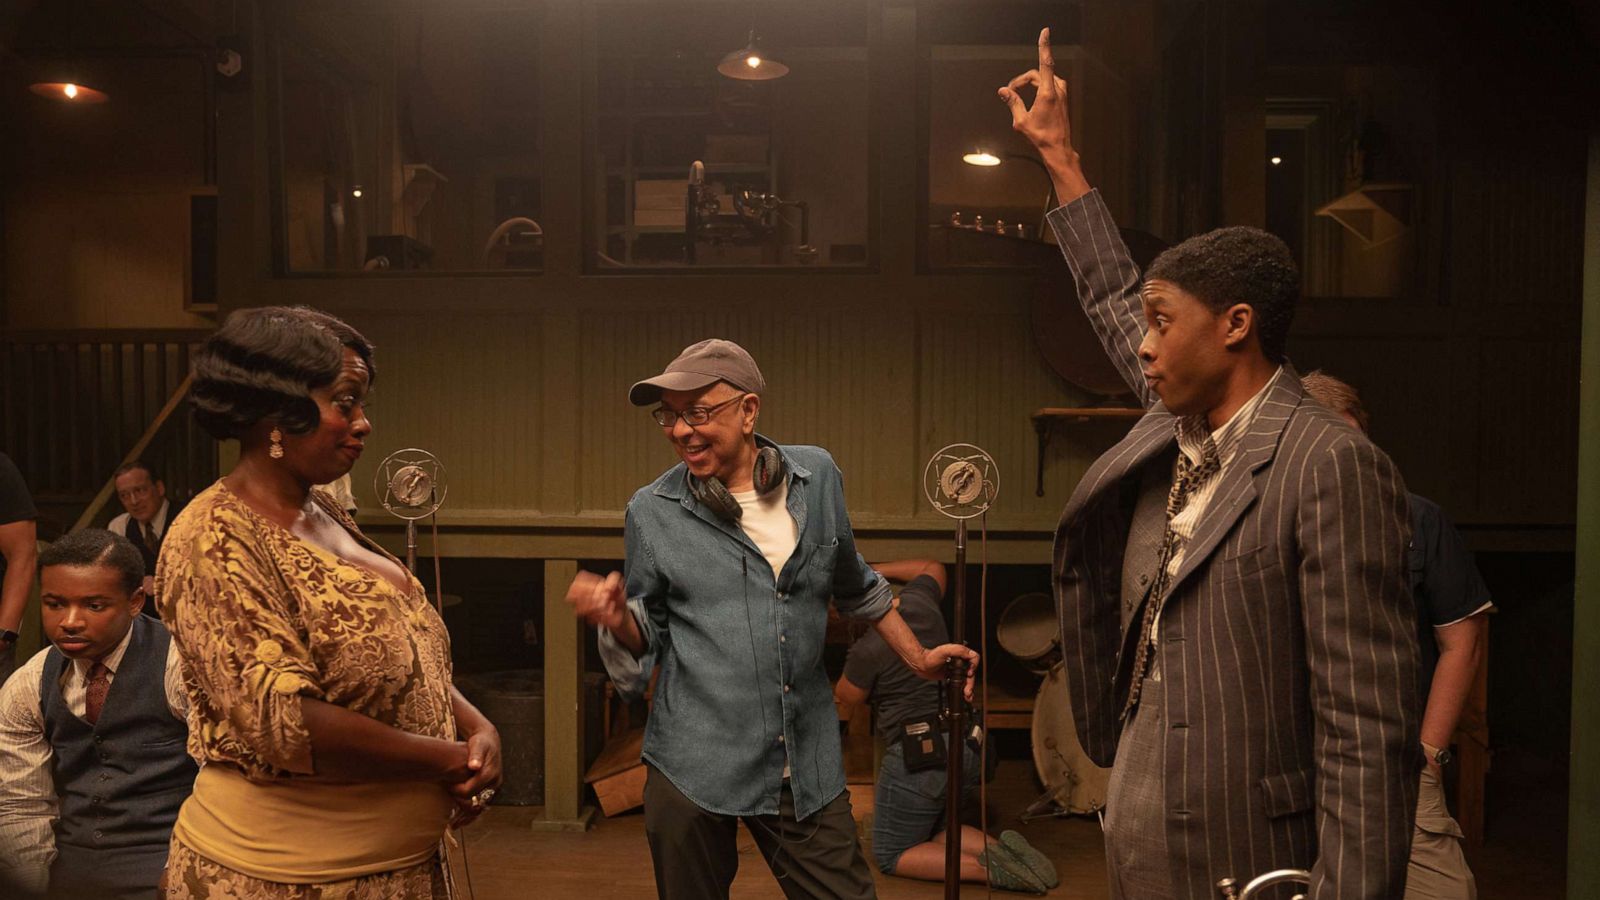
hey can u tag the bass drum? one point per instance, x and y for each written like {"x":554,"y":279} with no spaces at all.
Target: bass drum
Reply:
{"x":1070,"y":777}
{"x":1029,"y":631}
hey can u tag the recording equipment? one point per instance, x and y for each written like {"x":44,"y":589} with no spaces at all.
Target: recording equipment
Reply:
{"x":961,"y":482}
{"x":1228,"y":886}
{"x":412,"y":485}
{"x":754,"y":218}
{"x":768,"y":473}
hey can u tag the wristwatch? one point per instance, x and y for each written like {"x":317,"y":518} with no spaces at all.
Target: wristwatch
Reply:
{"x":1439,"y":756}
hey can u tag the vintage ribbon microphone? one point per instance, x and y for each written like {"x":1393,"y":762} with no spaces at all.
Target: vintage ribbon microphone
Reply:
{"x":412,"y":485}
{"x":961,"y":482}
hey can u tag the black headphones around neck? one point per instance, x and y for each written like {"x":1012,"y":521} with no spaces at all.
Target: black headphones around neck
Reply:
{"x":768,"y":473}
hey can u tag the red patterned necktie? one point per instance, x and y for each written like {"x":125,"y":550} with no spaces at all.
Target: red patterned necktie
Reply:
{"x":95,"y":696}
{"x":1188,"y":479}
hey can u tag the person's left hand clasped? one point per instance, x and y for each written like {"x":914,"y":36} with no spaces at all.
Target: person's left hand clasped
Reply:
{"x":472,"y":796}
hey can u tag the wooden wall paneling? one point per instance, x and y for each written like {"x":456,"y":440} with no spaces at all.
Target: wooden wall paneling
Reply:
{"x":467,"y":388}
{"x":981,"y":380}
{"x":1407,"y":385}
{"x":1527,"y":439}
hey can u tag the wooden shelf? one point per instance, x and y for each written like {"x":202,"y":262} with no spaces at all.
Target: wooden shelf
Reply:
{"x":1045,"y":419}
{"x":644,"y":229}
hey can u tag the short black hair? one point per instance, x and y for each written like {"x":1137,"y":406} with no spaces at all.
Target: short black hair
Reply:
{"x":1238,"y":265}
{"x":263,"y":363}
{"x":97,"y":547}
{"x":136,"y":466}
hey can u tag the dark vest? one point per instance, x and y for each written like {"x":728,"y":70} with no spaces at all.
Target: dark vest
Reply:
{"x":135,"y":536}
{"x":120,"y":781}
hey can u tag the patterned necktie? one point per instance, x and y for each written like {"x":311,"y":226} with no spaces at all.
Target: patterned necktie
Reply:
{"x":95,"y":696}
{"x":1188,"y":479}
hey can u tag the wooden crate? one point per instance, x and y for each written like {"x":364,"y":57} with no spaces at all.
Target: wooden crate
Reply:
{"x":618,"y":773}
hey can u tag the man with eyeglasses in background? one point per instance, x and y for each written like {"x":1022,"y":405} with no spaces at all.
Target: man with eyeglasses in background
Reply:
{"x":147,"y":511}
{"x":731,"y":558}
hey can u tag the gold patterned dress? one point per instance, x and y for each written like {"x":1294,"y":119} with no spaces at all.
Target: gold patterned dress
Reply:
{"x":261,"y":619}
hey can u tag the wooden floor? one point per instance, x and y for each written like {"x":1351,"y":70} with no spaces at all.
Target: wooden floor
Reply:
{"x":508,"y":861}
{"x":612,"y":860}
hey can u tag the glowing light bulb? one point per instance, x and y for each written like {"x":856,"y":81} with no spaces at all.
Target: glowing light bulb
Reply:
{"x":71,"y":91}
{"x":981,"y":158}
{"x":753,"y":61}
{"x":1276,"y":160}
{"x":356,"y":192}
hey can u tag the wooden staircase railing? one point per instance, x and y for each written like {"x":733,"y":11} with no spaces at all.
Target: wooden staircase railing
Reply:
{"x":74,"y":405}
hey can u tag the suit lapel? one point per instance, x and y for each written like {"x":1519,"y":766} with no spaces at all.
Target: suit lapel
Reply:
{"x":1237,"y":492}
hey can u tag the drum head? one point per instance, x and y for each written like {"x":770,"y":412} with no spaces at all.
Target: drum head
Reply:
{"x":1029,"y":631}
{"x":1078,"y":785}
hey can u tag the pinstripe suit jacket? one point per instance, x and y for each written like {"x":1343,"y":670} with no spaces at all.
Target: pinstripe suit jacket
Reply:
{"x":1288,"y":638}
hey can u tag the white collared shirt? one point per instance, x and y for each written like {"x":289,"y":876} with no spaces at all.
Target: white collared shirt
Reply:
{"x":1192,"y":437}
{"x":158,"y":522}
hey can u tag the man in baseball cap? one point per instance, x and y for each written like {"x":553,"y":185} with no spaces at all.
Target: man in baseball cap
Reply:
{"x":731,"y":558}
{"x":702,"y":365}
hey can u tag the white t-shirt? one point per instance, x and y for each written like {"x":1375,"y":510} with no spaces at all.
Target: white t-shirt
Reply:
{"x":767,"y":522}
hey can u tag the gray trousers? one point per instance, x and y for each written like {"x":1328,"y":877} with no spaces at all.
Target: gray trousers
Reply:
{"x":1136,"y":827}
{"x":696,"y":853}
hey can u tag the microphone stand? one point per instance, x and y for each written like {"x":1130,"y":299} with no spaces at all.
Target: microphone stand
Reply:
{"x":955,"y":716}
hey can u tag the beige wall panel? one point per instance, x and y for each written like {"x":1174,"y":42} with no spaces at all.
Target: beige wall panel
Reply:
{"x":468,"y":389}
{"x":1528,"y":442}
{"x":86,"y":258}
{"x":981,"y":379}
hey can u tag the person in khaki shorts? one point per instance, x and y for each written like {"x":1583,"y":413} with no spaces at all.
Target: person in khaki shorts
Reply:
{"x":1452,"y":608}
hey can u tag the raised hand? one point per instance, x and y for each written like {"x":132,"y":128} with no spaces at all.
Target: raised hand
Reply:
{"x":1048,"y":123}
{"x":599,"y":601}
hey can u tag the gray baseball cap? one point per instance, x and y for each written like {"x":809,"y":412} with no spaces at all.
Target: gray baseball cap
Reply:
{"x":701,"y":365}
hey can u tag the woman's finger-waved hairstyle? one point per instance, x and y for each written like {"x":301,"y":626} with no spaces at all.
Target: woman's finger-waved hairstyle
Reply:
{"x":263,"y":363}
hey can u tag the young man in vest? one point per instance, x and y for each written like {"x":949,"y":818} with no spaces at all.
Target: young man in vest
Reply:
{"x":92,"y":760}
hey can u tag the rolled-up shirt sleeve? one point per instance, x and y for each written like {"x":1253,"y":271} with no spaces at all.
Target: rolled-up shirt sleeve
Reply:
{"x":28,"y":804}
{"x":647,"y":602}
{"x":859,"y":592}
{"x":231,"y":614}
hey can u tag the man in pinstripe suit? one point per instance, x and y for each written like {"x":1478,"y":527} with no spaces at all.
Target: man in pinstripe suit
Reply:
{"x":1238,"y":632}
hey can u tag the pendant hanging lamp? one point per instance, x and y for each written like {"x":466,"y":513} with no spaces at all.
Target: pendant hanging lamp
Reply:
{"x":68,"y":92}
{"x":62,"y":81}
{"x":749,"y":63}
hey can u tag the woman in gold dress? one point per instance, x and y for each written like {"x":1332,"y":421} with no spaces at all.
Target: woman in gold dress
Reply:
{"x":335,"y":752}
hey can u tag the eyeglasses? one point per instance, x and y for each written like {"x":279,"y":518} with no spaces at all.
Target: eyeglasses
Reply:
{"x":694,"y":415}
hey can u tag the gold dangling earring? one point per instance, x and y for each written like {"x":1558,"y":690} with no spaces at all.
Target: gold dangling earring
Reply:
{"x":276,"y":450}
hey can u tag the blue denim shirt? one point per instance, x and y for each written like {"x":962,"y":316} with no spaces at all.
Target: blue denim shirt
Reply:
{"x":742,"y":690}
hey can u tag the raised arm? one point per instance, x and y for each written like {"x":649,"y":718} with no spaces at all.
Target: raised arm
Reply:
{"x":1106,"y":276}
